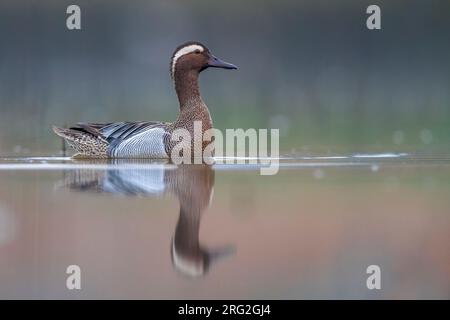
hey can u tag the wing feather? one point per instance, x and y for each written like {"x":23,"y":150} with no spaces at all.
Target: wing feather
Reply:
{"x":118,"y":131}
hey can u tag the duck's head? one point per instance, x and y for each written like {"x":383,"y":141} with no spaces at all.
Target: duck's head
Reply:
{"x":194,"y":56}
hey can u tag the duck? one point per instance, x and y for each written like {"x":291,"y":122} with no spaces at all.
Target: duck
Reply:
{"x":151,"y":139}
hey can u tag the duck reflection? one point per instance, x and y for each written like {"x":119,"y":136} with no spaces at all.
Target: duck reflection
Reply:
{"x":191,"y":184}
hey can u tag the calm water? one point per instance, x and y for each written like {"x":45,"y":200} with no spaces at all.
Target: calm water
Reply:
{"x":154,"y":230}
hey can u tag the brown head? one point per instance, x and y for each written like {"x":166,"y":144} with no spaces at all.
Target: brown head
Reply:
{"x":195,"y":57}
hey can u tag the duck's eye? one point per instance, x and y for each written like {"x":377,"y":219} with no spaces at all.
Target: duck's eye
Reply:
{"x":197,"y":51}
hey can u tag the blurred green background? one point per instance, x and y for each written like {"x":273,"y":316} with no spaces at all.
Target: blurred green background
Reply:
{"x":310,"y":68}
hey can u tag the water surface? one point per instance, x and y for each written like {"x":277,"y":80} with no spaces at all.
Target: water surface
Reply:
{"x":149,"y":229}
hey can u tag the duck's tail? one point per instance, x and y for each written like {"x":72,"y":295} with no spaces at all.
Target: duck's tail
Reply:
{"x":86,"y":144}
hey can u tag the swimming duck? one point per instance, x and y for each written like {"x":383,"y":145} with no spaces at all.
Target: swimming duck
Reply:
{"x":151,"y":139}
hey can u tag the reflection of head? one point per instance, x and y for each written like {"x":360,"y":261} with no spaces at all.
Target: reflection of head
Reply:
{"x":196,"y":263}
{"x":188,"y":264}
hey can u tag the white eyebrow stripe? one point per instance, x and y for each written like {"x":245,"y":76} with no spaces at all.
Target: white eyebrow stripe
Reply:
{"x":185,"y":50}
